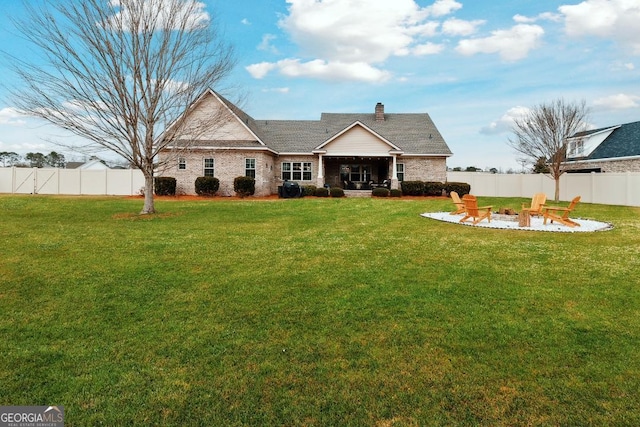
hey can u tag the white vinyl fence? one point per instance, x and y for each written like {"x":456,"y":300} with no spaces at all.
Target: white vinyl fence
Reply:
{"x":603,"y":188}
{"x":119,"y":182}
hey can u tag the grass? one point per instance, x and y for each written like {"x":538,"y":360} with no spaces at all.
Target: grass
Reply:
{"x":315,"y":312}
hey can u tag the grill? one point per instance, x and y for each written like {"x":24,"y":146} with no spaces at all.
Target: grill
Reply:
{"x":290,"y":190}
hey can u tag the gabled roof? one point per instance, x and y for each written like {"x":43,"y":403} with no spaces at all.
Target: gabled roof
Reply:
{"x":623,"y":141}
{"x":411,"y":134}
{"x":363,"y":126}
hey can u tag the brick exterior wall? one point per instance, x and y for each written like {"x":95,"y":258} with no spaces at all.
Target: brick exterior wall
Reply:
{"x":424,"y":168}
{"x":613,"y":166}
{"x":227,"y":166}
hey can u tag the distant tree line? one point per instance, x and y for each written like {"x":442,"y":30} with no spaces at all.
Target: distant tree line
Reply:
{"x":32,"y":160}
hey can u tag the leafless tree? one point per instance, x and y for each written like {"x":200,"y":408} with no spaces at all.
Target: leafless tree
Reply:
{"x":119,"y":73}
{"x":543,"y":133}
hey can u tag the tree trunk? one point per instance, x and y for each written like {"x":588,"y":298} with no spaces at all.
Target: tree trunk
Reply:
{"x":149,"y":205}
{"x":557,"y":195}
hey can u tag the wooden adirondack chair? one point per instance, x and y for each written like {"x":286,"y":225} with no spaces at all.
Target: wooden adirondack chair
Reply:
{"x":556,"y":213}
{"x":456,"y":201}
{"x":538,"y":200}
{"x":472,"y":211}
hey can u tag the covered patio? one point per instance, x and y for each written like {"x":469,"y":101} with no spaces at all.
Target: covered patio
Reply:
{"x":358,"y":173}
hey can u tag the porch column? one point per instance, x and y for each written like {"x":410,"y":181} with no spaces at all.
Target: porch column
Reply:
{"x":320,"y":177}
{"x":394,"y":173}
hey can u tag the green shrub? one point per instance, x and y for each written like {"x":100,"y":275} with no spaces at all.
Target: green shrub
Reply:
{"x":433,"y":188}
{"x":164,"y":186}
{"x":322,"y":192}
{"x":396,"y":193}
{"x":380,"y":192}
{"x":207,"y":185}
{"x":412,"y":188}
{"x":244,"y":186}
{"x":309,"y":190}
{"x":461,"y":188}
{"x":336,"y":192}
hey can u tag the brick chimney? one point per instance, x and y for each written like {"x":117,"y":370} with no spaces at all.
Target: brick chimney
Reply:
{"x":379,"y":112}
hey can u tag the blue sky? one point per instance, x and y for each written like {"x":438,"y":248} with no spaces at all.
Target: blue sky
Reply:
{"x":472,"y":65}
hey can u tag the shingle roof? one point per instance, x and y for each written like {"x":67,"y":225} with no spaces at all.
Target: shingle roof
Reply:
{"x":412,"y":133}
{"x":623,"y":142}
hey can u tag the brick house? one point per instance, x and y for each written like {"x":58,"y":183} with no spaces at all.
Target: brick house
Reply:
{"x":609,"y":149}
{"x":348,"y":150}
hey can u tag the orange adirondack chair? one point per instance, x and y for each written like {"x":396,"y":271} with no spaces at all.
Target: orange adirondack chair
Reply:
{"x":456,"y":201}
{"x":552,"y":213}
{"x":538,"y":200}
{"x":472,"y":211}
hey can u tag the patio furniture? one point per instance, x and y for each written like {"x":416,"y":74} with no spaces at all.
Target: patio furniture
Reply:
{"x":560,"y":214}
{"x":472,"y":211}
{"x":537,"y":201}
{"x":456,"y":201}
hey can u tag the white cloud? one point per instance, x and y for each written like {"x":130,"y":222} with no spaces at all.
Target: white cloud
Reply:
{"x":328,"y":70}
{"x":170,"y":13}
{"x":345,"y":38}
{"x":443,"y":7}
{"x":459,"y":27}
{"x":260,"y":70}
{"x":614,"y":19}
{"x":620,"y":101}
{"x":320,"y":69}
{"x":505,"y":123}
{"x":245,"y":21}
{"x":355,"y":30}
{"x":427,"y":49}
{"x":546,"y":16}
{"x":266,"y":45}
{"x":11,"y":116}
{"x":276,"y":90}
{"x":512,"y":45}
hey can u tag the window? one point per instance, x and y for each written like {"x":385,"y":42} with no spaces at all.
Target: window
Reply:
{"x":250,"y":168}
{"x":577,"y":148}
{"x":208,"y":167}
{"x":182,"y":163}
{"x":400,"y":171}
{"x":355,"y":173}
{"x":296,"y":171}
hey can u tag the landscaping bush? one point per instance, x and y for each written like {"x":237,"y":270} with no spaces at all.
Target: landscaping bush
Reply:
{"x":164,"y":186}
{"x":207,"y":185}
{"x":309,"y":190}
{"x":322,"y":192}
{"x":412,"y":188}
{"x":380,"y":192}
{"x":433,"y":188}
{"x":461,"y":188}
{"x":336,"y":192}
{"x":396,"y":193}
{"x":244,"y":186}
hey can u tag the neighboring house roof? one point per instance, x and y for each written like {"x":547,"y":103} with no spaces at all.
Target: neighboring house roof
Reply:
{"x":411,"y":134}
{"x":91,"y":164}
{"x":617,"y":141}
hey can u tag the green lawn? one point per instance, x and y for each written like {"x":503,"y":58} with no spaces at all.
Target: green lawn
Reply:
{"x":318,"y":312}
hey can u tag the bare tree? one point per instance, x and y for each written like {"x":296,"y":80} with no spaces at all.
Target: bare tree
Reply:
{"x":543,"y":133}
{"x":120,"y":72}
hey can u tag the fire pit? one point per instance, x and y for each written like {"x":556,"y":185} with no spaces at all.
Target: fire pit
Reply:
{"x":505,"y":214}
